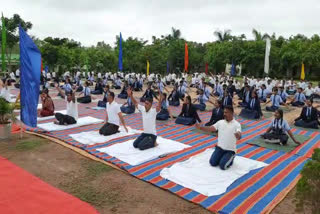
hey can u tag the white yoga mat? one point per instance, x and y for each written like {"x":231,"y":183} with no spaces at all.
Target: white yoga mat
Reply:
{"x":98,"y":108}
{"x":93,"y":137}
{"x":47,"y":118}
{"x":83,"y":121}
{"x":197,"y":174}
{"x":127,"y":153}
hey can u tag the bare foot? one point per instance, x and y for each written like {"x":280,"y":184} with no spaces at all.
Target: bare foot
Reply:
{"x":56,"y":122}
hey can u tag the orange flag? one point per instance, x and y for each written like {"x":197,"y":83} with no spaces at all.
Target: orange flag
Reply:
{"x":186,"y":57}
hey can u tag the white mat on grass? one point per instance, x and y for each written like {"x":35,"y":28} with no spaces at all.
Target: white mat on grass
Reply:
{"x":93,"y":137}
{"x":83,"y":121}
{"x":127,"y":153}
{"x":197,"y":174}
{"x":47,"y":118}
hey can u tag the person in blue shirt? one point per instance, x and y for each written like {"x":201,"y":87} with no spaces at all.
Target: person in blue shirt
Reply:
{"x":283,"y":94}
{"x":202,"y":99}
{"x":253,"y":109}
{"x":262,"y":93}
{"x":279,"y":130}
{"x":217,"y":113}
{"x":299,"y":98}
{"x":275,"y":100}
{"x":206,"y":90}
{"x":86,"y":94}
{"x":117,"y":83}
{"x":128,"y":107}
{"x":308,"y":117}
{"x":164,"y":113}
{"x":245,"y":97}
{"x":103,"y":103}
{"x":181,"y":90}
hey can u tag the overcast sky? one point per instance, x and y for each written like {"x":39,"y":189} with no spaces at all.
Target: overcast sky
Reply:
{"x":90,"y":21}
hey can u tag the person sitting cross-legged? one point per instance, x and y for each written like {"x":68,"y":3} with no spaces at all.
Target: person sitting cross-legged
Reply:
{"x":103,"y":103}
{"x":217,"y":113}
{"x":123,"y":94}
{"x":275,"y":100}
{"x":148,"y":138}
{"x":188,"y":115}
{"x":47,"y":104}
{"x":98,"y":89}
{"x":164,"y":114}
{"x":174,"y":98}
{"x":253,"y":109}
{"x":229,"y":131}
{"x":113,"y":118}
{"x":149,"y":93}
{"x":308,"y":117}
{"x":278,"y":131}
{"x":299,"y":98}
{"x":86,"y":94}
{"x":128,"y":107}
{"x":202,"y":99}
{"x":72,"y":109}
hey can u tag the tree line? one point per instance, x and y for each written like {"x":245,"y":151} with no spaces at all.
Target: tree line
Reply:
{"x":286,"y":56}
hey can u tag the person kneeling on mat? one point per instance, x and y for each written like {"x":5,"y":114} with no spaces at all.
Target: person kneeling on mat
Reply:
{"x":114,"y":116}
{"x":149,"y":136}
{"x":308,"y":117}
{"x":277,"y":132}
{"x":72,"y":109}
{"x":229,"y":132}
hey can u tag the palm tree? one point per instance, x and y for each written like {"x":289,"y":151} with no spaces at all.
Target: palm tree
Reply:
{"x":175,"y":33}
{"x":258,"y":36}
{"x":222,"y":35}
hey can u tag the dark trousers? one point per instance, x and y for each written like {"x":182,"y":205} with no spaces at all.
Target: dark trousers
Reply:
{"x":249,"y":114}
{"x":65,"y":119}
{"x":80,"y":88}
{"x":108,"y":129}
{"x":163,"y":115}
{"x":211,"y":122}
{"x":123,"y":96}
{"x":297,"y":103}
{"x":174,"y":102}
{"x":201,"y":107}
{"x":46,"y":113}
{"x":86,"y":99}
{"x":307,"y":124}
{"x":102,"y":104}
{"x":223,"y":158}
{"x":283,"y":137}
{"x":185,"y":120}
{"x":127,"y":109}
{"x":145,"y":141}
{"x":96,"y":92}
{"x":271,"y":108}
{"x":117,"y":87}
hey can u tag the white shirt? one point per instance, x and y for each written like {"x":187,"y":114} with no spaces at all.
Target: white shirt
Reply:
{"x":12,"y":76}
{"x":54,"y":74}
{"x":148,"y":120}
{"x":226,"y":138}
{"x":48,"y":75}
{"x":113,"y":110}
{"x":308,"y":92}
{"x":17,"y":72}
{"x":72,"y":109}
{"x":5,"y":93}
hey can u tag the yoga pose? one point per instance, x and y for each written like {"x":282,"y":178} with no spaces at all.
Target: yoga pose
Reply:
{"x":308,"y":117}
{"x":47,"y":104}
{"x":275,"y":100}
{"x":164,"y":114}
{"x":113,"y":118}
{"x":202,"y":99}
{"x":174,"y":99}
{"x":253,"y":109}
{"x":279,"y":130}
{"x":103,"y":103}
{"x":299,"y":98}
{"x":72,"y":109}
{"x":149,"y":136}
{"x":123,"y":94}
{"x":188,"y":115}
{"x":98,"y":89}
{"x":128,"y":107}
{"x":86,"y":94}
{"x":217,"y":113}
{"x":149,"y":93}
{"x":229,"y":132}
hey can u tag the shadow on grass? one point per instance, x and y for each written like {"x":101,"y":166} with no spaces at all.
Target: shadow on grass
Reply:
{"x":27,"y":145}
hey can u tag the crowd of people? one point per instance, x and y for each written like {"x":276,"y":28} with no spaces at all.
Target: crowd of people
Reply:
{"x":252,"y":95}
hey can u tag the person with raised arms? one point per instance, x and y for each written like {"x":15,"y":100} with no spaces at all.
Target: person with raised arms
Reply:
{"x":149,"y":136}
{"x":113,"y":118}
{"x":229,"y":132}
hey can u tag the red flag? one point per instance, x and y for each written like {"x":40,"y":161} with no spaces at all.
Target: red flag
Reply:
{"x":41,"y":66}
{"x":207,"y":68}
{"x":186,"y":57}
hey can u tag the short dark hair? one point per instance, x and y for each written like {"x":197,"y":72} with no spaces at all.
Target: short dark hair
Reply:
{"x":229,"y":108}
{"x":149,"y":99}
{"x":111,"y":93}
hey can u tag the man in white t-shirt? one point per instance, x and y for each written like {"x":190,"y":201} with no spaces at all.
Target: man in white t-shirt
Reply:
{"x":149,"y":136}
{"x":229,"y":131}
{"x":114,"y":116}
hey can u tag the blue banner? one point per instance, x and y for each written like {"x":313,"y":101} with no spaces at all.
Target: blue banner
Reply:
{"x":30,"y":68}
{"x":233,"y":70}
{"x":120,"y":53}
{"x":46,"y":69}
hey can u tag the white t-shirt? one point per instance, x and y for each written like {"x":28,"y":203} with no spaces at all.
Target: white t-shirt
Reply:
{"x":5,"y":93}
{"x":17,"y":72}
{"x":226,"y":138}
{"x":308,"y":91}
{"x":113,"y":110}
{"x":148,"y":120}
{"x":72,"y":109}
